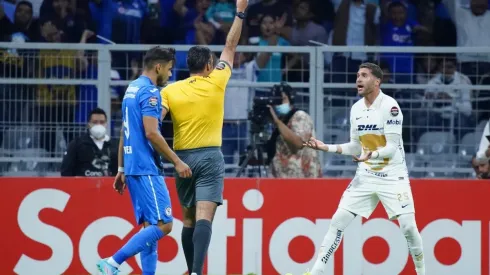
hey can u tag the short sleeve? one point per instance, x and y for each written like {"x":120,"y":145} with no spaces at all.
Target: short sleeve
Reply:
{"x":302,"y":125}
{"x":393,"y":118}
{"x":221,"y":74}
{"x":164,"y":96}
{"x":150,"y":102}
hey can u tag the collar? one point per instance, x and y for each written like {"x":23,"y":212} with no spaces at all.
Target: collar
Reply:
{"x":145,"y":78}
{"x":377,"y":102}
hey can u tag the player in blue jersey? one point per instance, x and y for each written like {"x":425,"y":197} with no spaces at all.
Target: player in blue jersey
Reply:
{"x":140,"y":148}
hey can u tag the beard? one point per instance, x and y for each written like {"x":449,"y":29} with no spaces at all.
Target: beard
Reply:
{"x":161,"y":81}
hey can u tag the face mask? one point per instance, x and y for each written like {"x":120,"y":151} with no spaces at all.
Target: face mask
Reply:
{"x":98,"y":131}
{"x":283,"y":109}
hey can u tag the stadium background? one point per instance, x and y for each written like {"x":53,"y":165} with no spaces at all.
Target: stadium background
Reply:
{"x":45,"y":96}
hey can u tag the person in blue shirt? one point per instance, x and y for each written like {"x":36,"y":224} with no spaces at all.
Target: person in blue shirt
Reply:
{"x":139,"y":148}
{"x":270,"y":64}
{"x":398,"y":32}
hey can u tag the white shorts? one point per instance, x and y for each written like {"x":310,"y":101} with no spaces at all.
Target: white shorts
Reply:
{"x":362,"y":197}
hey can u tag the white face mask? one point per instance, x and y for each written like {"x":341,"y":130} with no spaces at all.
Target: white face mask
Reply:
{"x":98,"y":131}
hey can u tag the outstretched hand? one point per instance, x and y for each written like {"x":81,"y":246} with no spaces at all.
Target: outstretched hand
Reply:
{"x":362,"y":158}
{"x":314,"y":144}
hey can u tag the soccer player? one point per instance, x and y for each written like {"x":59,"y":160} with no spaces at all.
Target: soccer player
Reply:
{"x":376,"y":135}
{"x":196,"y":105}
{"x":142,"y":145}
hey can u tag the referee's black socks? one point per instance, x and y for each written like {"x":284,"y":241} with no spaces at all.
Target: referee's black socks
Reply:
{"x":188,"y":246}
{"x":201,"y":239}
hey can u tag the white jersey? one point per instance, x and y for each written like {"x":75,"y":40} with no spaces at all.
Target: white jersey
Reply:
{"x":369,"y":126}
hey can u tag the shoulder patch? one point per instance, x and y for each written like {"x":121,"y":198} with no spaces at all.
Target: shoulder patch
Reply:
{"x":221,"y":66}
{"x":394,"y":111}
{"x":153,"y":101}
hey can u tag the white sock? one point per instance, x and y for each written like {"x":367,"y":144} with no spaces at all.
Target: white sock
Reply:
{"x":414,"y":241}
{"x":340,"y":220}
{"x":112,"y":262}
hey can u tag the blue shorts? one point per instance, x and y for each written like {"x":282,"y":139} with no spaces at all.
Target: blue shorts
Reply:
{"x":150,"y":198}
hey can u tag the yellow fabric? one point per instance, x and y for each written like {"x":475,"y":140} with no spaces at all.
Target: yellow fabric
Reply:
{"x":196,"y":105}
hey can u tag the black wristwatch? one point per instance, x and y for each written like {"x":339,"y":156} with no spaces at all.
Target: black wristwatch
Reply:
{"x":240,"y":15}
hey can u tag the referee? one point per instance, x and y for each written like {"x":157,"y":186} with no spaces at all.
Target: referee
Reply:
{"x":196,"y":105}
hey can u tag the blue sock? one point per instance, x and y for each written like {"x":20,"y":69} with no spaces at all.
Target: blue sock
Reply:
{"x":138,"y":243}
{"x":149,"y":257}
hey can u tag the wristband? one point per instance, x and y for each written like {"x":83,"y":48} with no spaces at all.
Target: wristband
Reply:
{"x":331,"y":148}
{"x":240,"y":15}
{"x":120,"y":169}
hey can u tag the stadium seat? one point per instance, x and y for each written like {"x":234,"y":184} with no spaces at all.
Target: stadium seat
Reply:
{"x":444,"y":165}
{"x":436,"y":143}
{"x":337,"y":117}
{"x":20,"y":137}
{"x":33,"y":162}
{"x":469,"y":145}
{"x":481,"y":125}
{"x":336,"y":160}
{"x":415,"y":165}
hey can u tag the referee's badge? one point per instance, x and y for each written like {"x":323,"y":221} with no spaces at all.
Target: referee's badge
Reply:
{"x":153,"y":101}
{"x":221,"y":66}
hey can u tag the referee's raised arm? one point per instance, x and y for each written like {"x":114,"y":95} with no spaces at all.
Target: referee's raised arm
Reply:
{"x":233,"y":36}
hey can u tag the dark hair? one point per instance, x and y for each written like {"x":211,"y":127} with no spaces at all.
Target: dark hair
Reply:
{"x":25,"y":3}
{"x":396,"y":4}
{"x":97,"y":111}
{"x":197,"y":58}
{"x":375,"y":69}
{"x":158,"y":55}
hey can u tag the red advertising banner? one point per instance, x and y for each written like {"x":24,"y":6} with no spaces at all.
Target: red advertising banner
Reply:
{"x":63,"y":226}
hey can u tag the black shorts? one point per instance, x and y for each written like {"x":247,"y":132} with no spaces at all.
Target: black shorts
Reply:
{"x":208,"y":175}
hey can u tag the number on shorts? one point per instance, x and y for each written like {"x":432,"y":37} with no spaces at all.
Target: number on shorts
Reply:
{"x":403,"y":196}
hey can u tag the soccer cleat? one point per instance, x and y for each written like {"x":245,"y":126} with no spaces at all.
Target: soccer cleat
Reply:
{"x":106,"y":269}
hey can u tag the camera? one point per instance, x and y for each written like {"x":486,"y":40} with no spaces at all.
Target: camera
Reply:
{"x":260,"y":113}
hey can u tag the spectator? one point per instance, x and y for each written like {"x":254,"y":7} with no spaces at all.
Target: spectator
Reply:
{"x":23,"y":28}
{"x":399,"y":31}
{"x":286,"y":155}
{"x":121,"y":22}
{"x":473,"y":30}
{"x":447,"y":105}
{"x":300,"y":34}
{"x":362,"y":22}
{"x":60,"y":14}
{"x":270,"y":63}
{"x":481,"y":168}
{"x":274,"y":8}
{"x":426,"y":66}
{"x":483,"y":154}
{"x":236,"y":107}
{"x":221,"y":15}
{"x":56,"y":104}
{"x":7,"y":8}
{"x":92,"y":154}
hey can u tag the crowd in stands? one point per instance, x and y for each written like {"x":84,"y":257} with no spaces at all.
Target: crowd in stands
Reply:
{"x":398,"y":23}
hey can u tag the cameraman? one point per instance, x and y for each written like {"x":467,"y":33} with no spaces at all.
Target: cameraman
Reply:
{"x":286,"y":156}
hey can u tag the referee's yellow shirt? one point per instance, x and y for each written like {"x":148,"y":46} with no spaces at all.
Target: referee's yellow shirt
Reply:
{"x":196,"y":105}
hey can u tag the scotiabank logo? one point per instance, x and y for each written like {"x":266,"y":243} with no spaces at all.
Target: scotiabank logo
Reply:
{"x":238,"y":240}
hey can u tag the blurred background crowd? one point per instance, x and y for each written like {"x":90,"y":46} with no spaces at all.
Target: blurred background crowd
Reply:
{"x":460,"y":114}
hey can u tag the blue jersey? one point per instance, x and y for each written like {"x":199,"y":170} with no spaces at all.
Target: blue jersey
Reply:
{"x":398,"y":37}
{"x":142,"y":98}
